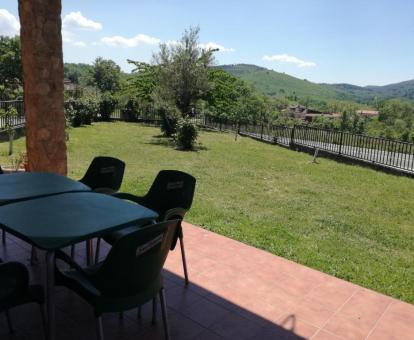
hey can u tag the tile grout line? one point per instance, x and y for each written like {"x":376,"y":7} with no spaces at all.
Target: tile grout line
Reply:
{"x":379,"y":319}
{"x":336,"y":312}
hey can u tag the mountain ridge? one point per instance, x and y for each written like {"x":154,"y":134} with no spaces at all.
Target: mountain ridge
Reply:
{"x":275,"y":83}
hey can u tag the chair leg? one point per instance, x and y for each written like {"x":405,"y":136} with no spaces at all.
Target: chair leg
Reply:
{"x":33,"y":257}
{"x":99,"y":329}
{"x":72,"y":252}
{"x":3,"y":236}
{"x":139,"y":312}
{"x":184,"y":259}
{"x":164,"y":314}
{"x":154,"y":310}
{"x":9,"y":323}
{"x":42,"y":313}
{"x":98,"y":249}
{"x":121,"y":315}
{"x":89,"y":252}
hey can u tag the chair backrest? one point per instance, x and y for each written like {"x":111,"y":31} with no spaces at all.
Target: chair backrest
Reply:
{"x":170,"y":189}
{"x":135,"y":261}
{"x":104,"y":173}
{"x":14,"y":281}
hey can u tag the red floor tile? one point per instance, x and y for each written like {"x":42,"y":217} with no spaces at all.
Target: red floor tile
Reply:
{"x":236,"y":292}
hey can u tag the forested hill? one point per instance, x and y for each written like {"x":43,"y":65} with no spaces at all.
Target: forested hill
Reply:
{"x":275,"y":83}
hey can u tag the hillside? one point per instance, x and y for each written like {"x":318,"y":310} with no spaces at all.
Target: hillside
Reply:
{"x":275,"y":83}
{"x":404,"y":89}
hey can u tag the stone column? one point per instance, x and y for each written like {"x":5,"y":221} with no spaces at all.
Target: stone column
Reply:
{"x":42,"y":60}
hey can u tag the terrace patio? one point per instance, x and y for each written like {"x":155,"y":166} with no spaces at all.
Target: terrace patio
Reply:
{"x":236,"y":292}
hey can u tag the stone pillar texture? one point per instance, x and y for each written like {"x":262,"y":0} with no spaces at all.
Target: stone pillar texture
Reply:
{"x":42,"y":60}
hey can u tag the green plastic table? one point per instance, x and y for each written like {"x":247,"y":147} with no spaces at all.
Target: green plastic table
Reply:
{"x":54,"y":222}
{"x":26,"y":185}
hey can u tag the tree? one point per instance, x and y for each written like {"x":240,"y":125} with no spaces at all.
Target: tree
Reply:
{"x":10,"y":61}
{"x":224,"y":93}
{"x":79,"y":74}
{"x":8,"y":116}
{"x":144,"y":81}
{"x":106,"y":75}
{"x":10,"y":66}
{"x":230,"y":97}
{"x":183,"y":71}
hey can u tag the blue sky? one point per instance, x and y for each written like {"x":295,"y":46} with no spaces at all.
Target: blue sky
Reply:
{"x":360,"y":42}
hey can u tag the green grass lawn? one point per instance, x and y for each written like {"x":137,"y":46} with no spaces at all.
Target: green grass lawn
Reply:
{"x":348,"y":221}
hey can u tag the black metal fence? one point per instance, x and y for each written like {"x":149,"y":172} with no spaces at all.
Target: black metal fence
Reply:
{"x":381,"y":152}
{"x":378,"y":151}
{"x":14,"y":121}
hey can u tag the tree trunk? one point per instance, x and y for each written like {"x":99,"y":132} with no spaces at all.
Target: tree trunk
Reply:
{"x":42,"y":60}
{"x":11,"y":139}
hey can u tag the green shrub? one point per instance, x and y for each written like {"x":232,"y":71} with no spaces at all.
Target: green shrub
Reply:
{"x":186,"y":134}
{"x":131,"y":110}
{"x":74,"y":111}
{"x":169,"y":115}
{"x":168,"y":124}
{"x":90,"y":107}
{"x":107,"y":106}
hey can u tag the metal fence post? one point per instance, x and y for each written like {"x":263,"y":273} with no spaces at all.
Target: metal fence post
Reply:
{"x":340,"y":142}
{"x":261,"y":132}
{"x":292,"y":137}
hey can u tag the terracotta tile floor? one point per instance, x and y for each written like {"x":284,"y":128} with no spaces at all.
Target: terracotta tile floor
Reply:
{"x":236,"y":292}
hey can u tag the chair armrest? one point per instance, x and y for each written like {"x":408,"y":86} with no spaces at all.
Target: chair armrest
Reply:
{"x":103,"y":190}
{"x":129,"y":197}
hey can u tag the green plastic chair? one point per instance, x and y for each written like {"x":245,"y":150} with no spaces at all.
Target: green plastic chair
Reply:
{"x":104,"y":175}
{"x":129,"y":276}
{"x":171,"y":196}
{"x":15,"y":290}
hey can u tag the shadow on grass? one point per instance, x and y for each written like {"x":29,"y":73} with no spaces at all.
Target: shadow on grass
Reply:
{"x":161,"y":140}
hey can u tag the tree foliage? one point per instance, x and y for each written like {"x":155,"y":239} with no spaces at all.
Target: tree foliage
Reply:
{"x":80,"y":74}
{"x":183,"y":71}
{"x":10,"y":66}
{"x":106,"y":75}
{"x":143,"y":82}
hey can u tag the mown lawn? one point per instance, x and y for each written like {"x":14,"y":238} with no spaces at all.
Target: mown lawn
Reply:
{"x":348,"y":221}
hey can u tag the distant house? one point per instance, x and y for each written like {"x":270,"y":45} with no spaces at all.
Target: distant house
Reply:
{"x":307,"y":114}
{"x":368,"y":113}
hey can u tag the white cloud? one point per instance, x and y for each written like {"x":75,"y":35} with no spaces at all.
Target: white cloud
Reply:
{"x":79,"y":44}
{"x":209,"y":46}
{"x":77,"y":20}
{"x":9,"y":25}
{"x":67,"y":37}
{"x":140,"y":39}
{"x":214,"y":46}
{"x":70,"y":38}
{"x":284,"y":58}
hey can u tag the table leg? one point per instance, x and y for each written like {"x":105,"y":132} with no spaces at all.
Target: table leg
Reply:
{"x":50,"y":295}
{"x":89,"y":252}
